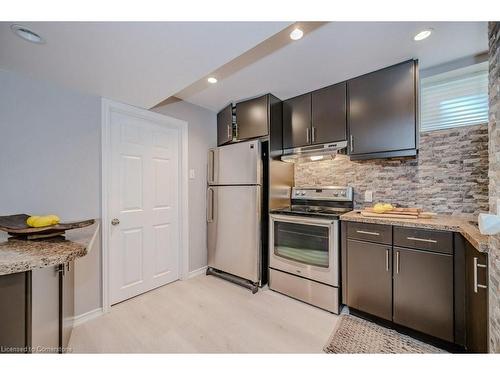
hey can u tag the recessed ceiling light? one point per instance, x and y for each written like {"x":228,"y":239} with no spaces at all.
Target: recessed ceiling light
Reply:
{"x":212,"y":79}
{"x":27,"y":34}
{"x":423,"y":34}
{"x":296,"y":34}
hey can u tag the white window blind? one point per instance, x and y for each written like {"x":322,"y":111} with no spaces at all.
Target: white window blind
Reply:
{"x":456,"y":98}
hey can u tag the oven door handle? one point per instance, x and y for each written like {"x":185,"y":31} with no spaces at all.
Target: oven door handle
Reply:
{"x":302,"y":220}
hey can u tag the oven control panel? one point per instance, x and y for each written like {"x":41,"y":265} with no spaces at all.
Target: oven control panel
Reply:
{"x":331,"y":193}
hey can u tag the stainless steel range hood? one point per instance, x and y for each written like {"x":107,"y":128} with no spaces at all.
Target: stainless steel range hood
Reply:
{"x":313,"y":153}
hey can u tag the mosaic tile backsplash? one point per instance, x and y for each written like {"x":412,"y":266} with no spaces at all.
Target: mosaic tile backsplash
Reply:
{"x":449,"y":175}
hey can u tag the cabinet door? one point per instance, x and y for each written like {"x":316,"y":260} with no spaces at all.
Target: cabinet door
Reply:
{"x":329,"y":114}
{"x":297,"y":121}
{"x":369,"y":278}
{"x":252,"y":118}
{"x":45,"y":308}
{"x":423,"y":292}
{"x":382,"y":110}
{"x":13,"y":305}
{"x":67,"y":291}
{"x":476,"y":310}
{"x":225,"y":125}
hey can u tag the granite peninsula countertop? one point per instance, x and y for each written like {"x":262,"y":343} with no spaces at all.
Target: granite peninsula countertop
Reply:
{"x":22,"y":255}
{"x":440,"y":222}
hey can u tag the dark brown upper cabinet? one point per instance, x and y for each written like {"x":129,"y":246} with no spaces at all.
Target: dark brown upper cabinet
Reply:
{"x":382,"y":113}
{"x":316,"y":117}
{"x":329,"y":114}
{"x":297,"y":121}
{"x":256,"y":117}
{"x":225,"y":125}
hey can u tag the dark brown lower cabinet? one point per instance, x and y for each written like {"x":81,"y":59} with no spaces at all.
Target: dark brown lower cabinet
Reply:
{"x":369,"y":278}
{"x":13,"y":307}
{"x":423,"y":292}
{"x":37,"y":310}
{"x":476,"y":300}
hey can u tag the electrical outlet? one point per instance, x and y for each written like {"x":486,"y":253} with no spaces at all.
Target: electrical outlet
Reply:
{"x":368,"y":196}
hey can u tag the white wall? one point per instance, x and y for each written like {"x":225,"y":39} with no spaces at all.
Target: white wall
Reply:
{"x":202,"y":130}
{"x":50,"y":163}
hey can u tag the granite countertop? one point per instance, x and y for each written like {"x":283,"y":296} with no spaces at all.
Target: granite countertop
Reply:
{"x":22,"y":255}
{"x":440,"y":222}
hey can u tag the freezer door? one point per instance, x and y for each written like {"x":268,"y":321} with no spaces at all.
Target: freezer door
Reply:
{"x":235,"y":164}
{"x":234,"y":222}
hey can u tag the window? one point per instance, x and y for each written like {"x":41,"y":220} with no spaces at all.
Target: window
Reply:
{"x":455,"y":98}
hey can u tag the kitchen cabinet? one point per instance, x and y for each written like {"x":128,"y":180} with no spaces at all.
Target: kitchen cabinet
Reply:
{"x":329,"y":114}
{"x":382,"y":113}
{"x":225,"y":125}
{"x":67,"y":303}
{"x":315,"y":118}
{"x":297,"y":121}
{"x":369,"y":278}
{"x":14,"y":303}
{"x":260,"y":117}
{"x":476,"y":300}
{"x":423,"y":292}
{"x":37,"y":309}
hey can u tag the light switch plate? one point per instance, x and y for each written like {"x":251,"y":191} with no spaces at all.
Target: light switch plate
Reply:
{"x":368,"y":196}
{"x":191,"y":174}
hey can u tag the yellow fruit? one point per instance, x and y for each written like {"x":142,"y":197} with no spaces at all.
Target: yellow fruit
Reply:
{"x":379,"y":208}
{"x":388,"y":206}
{"x":42,"y":221}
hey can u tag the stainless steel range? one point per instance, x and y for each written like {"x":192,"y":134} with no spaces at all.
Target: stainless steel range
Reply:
{"x":304,"y":245}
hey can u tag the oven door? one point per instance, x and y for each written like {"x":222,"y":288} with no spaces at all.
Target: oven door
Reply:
{"x":307,"y":247}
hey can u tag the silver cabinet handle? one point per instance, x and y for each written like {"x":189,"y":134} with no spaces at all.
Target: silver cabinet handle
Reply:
{"x":387,"y":254}
{"x":397,"y":262}
{"x":313,"y":129}
{"x":210,"y":205}
{"x":351,"y":139}
{"x":421,"y":239}
{"x":229,"y":132}
{"x":476,"y":266}
{"x":308,"y":135}
{"x":115,"y":221}
{"x":366,"y":232}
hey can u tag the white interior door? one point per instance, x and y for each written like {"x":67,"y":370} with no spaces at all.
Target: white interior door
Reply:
{"x":143,"y":204}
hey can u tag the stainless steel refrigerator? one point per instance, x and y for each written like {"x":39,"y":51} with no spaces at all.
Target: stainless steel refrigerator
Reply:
{"x":234,"y":209}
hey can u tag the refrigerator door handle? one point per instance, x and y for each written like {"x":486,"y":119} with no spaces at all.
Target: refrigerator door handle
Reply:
{"x":211,"y":167}
{"x":210,"y":205}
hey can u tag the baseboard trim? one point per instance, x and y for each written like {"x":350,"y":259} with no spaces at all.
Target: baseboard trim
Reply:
{"x":199,"y":271}
{"x":85,"y":317}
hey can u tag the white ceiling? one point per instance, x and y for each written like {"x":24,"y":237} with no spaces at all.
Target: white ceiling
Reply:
{"x":132,"y":62}
{"x":144,"y":63}
{"x":342,"y":50}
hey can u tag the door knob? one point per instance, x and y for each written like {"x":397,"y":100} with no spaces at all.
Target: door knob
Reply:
{"x":115,"y":221}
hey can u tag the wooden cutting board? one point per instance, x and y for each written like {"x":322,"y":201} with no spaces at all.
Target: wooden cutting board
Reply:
{"x":399,"y":215}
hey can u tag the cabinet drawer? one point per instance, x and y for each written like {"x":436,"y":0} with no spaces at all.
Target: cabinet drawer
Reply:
{"x":378,"y":233}
{"x":424,"y":239}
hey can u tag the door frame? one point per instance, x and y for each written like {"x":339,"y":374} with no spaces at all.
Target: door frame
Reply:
{"x":107,"y":106}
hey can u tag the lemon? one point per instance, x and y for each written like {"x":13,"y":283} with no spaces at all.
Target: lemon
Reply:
{"x":42,"y":221}
{"x":379,"y":208}
{"x":388,"y":206}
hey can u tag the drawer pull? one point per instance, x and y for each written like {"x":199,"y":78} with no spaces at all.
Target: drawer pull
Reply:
{"x":387,"y":254}
{"x":476,"y":266}
{"x":421,"y":239}
{"x":397,"y":262}
{"x":366,"y":232}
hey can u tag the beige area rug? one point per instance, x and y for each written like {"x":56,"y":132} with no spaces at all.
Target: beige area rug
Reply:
{"x":353,"y":335}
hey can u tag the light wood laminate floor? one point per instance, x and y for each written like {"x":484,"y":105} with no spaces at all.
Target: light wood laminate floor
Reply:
{"x":206,"y":315}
